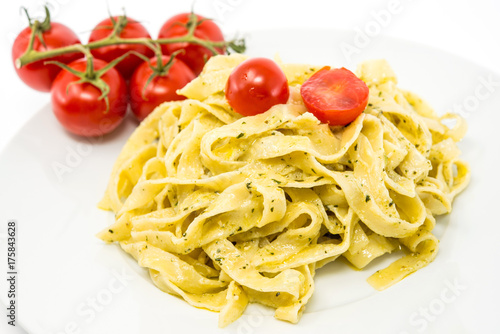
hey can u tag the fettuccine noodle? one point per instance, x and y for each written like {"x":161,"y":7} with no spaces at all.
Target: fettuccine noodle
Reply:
{"x":225,"y":210}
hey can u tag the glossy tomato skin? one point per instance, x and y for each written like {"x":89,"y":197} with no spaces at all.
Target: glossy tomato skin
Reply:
{"x":37,"y":75}
{"x":256,"y":85}
{"x":80,"y":110}
{"x":335,"y":96}
{"x":133,"y":29}
{"x":160,"y":89}
{"x":195,"y":56}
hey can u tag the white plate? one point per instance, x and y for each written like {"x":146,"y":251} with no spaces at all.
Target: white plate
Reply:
{"x":70,"y":282}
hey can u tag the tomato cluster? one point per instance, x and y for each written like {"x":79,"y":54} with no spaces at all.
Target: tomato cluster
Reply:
{"x":92,"y":103}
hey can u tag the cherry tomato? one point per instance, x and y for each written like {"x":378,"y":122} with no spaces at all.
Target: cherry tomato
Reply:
{"x":132,"y":29}
{"x":37,"y":75}
{"x":336,"y":97}
{"x":195,"y":56}
{"x":256,"y":85}
{"x":160,"y":89}
{"x":78,"y":106}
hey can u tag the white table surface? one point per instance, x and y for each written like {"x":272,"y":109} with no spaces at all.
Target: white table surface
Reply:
{"x":469,"y":28}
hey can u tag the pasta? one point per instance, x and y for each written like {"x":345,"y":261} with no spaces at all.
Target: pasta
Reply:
{"x":225,"y":210}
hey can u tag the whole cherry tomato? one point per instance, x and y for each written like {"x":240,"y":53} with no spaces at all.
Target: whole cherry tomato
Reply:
{"x":336,"y":97}
{"x":195,"y":56}
{"x":256,"y":85}
{"x":129,"y":29}
{"x":145,"y":96}
{"x":54,"y":35}
{"x":80,"y":108}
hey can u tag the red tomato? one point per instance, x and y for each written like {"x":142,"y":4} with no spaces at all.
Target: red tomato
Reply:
{"x":256,"y":85}
{"x":195,"y":56}
{"x":37,"y":75}
{"x":161,"y":89}
{"x":336,"y":97}
{"x":78,"y":105}
{"x":132,"y":29}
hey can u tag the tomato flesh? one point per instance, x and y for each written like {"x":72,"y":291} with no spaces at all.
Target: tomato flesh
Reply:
{"x":79,"y":108}
{"x":256,"y":85}
{"x":133,"y":29}
{"x":161,"y":89}
{"x":335,"y":96}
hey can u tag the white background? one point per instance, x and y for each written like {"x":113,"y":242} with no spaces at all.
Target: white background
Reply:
{"x":470,"y":29}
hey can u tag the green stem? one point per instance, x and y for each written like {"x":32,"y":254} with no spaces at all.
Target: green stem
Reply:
{"x":45,"y":25}
{"x":90,"y":72}
{"x":118,"y":26}
{"x":32,"y":55}
{"x":32,"y":36}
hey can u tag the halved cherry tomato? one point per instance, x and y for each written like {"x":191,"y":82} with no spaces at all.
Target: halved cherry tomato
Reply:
{"x":195,"y":56}
{"x":256,"y":85}
{"x":37,"y":75}
{"x":160,"y":89}
{"x":79,"y":106}
{"x":336,"y":97}
{"x":132,"y":29}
